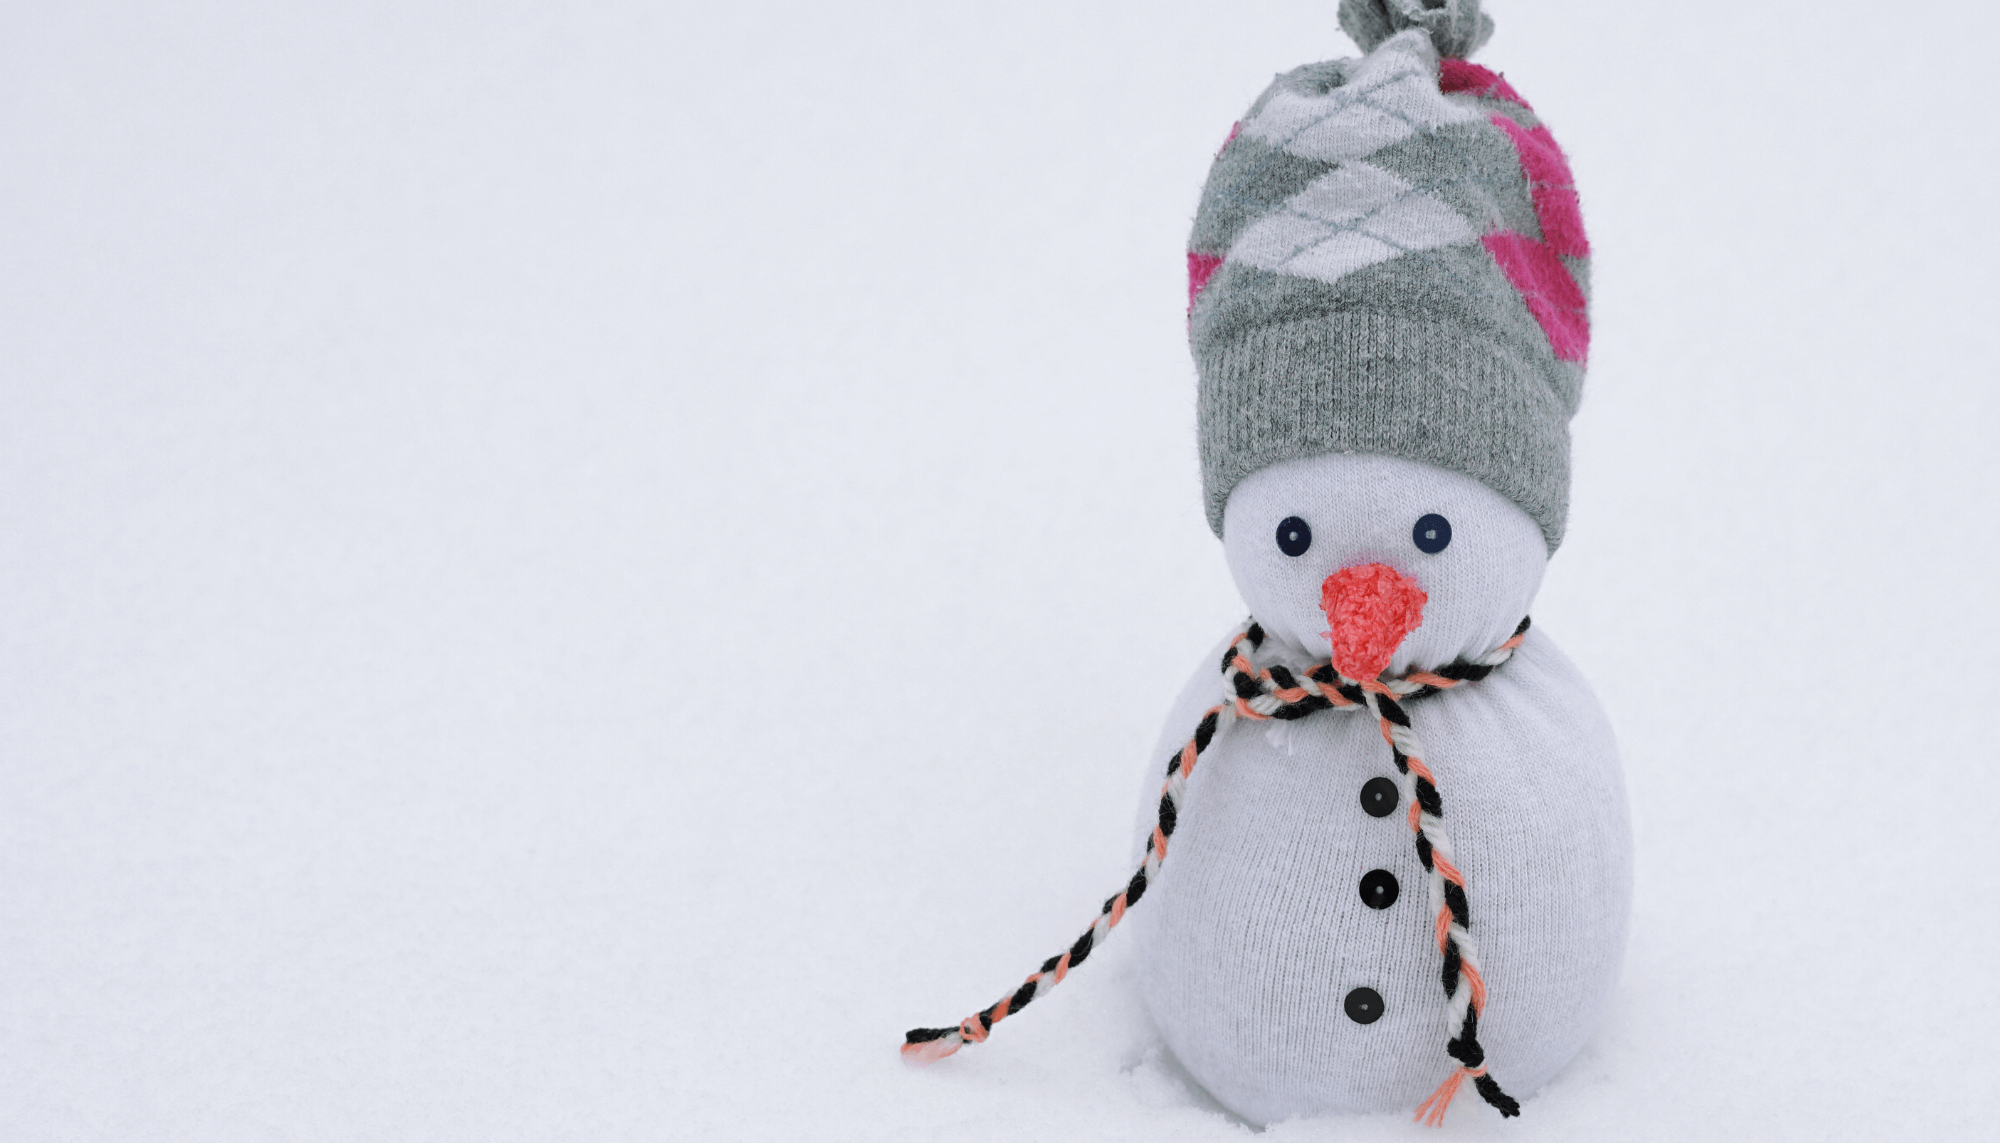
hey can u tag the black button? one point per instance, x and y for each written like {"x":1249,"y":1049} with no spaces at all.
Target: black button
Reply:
{"x":1294,"y":536}
{"x":1364,"y":1006}
{"x":1379,"y":889}
{"x":1379,"y":797}
{"x":1432,"y":533}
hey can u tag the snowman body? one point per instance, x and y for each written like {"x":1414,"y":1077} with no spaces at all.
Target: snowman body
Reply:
{"x":1287,"y":948}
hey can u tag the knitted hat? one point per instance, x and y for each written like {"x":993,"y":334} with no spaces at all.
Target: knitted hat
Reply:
{"x":1389,"y":259}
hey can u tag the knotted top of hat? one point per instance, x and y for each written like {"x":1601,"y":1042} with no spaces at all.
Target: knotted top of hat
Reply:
{"x":1457,"y":27}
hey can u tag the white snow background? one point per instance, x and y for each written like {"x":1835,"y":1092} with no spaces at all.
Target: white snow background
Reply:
{"x":569,"y":571}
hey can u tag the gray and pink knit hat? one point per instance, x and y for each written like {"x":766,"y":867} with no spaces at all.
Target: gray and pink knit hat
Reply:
{"x":1389,"y":258}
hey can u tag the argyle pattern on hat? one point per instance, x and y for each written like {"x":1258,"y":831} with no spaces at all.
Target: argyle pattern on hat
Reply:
{"x":1389,"y":258}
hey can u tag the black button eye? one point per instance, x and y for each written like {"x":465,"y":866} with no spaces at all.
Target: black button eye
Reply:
{"x":1432,"y":533}
{"x":1364,"y":1006}
{"x":1294,"y":536}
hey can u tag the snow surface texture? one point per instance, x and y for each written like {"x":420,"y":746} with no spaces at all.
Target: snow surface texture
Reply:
{"x":570,"y":572}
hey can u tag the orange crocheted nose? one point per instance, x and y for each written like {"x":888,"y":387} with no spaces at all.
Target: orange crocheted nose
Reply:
{"x":1369,"y":609}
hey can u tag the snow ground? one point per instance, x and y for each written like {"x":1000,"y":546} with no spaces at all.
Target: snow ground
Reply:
{"x":569,"y":571}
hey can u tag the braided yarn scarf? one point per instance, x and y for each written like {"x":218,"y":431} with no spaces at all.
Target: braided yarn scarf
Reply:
{"x":1262,"y":694}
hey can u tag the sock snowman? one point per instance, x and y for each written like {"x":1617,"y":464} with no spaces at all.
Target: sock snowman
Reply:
{"x":1400,"y":851}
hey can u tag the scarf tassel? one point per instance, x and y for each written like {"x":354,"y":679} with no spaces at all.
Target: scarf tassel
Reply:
{"x":1431,"y":1111}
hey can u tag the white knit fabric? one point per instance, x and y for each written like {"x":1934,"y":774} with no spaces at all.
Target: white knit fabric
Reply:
{"x":1255,"y":930}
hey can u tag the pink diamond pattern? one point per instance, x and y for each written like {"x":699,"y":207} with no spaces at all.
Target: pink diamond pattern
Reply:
{"x":1551,"y":293}
{"x":1463,"y":75}
{"x":1201,"y":267}
{"x":1553,"y":187}
{"x":1537,"y":269}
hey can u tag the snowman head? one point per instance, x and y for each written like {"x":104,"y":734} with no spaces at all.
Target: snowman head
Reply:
{"x":1381,"y":563}
{"x":1388,"y":283}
